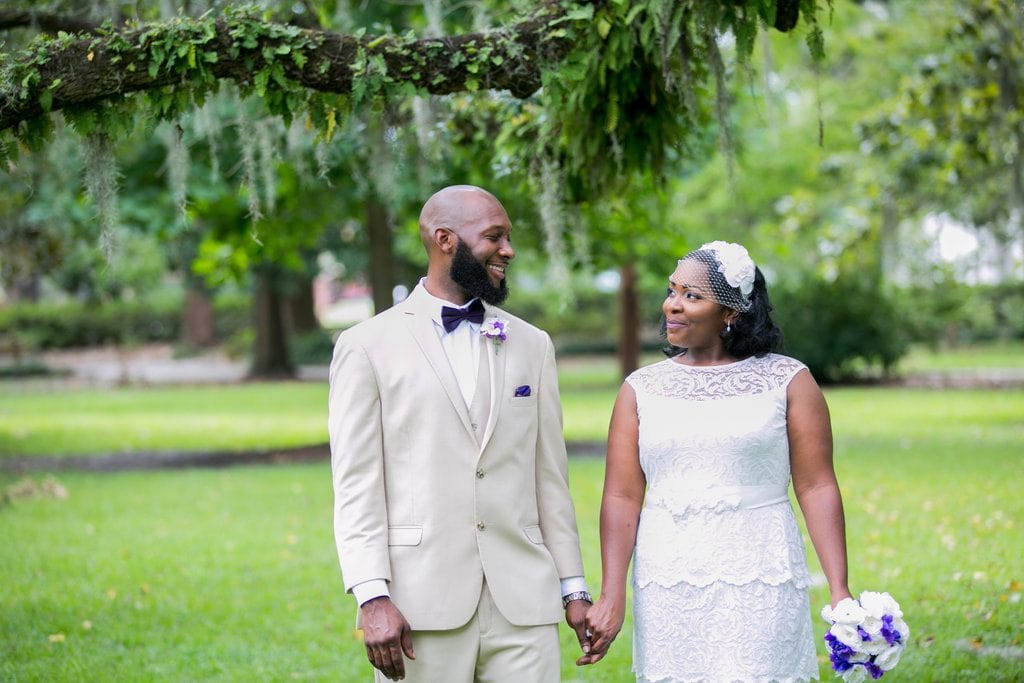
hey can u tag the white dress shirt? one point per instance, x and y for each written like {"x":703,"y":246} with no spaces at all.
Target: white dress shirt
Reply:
{"x":462,"y":349}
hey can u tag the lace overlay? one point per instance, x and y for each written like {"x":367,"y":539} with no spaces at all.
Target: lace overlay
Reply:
{"x":720,"y":581}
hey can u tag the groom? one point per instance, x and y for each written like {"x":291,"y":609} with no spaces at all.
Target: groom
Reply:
{"x":455,"y":530}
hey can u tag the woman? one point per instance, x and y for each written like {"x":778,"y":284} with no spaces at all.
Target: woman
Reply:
{"x":706,"y":442}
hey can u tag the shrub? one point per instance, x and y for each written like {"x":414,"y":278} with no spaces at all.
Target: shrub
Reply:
{"x":40,"y":326}
{"x":838,"y":327}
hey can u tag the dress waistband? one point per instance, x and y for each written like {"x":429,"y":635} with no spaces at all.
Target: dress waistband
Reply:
{"x":680,"y":498}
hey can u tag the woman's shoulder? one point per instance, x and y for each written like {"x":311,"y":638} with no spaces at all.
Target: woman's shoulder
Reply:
{"x":643,"y":376}
{"x":778,"y":366}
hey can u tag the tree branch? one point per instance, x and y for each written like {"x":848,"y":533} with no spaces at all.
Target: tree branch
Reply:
{"x":88,"y":70}
{"x":45,"y":21}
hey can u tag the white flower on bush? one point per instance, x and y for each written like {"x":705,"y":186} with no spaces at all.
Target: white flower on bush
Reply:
{"x":888,"y":658}
{"x":735,"y":264}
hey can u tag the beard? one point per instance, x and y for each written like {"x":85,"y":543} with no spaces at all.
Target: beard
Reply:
{"x":466,"y":272}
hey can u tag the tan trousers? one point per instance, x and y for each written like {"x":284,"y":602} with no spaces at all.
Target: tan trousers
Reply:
{"x":488,"y":649}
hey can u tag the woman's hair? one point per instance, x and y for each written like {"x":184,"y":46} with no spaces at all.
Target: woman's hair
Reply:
{"x":753,"y":333}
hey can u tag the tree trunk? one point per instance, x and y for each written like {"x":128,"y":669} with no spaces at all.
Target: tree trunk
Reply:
{"x":197,"y":319}
{"x":629,"y":321}
{"x":382,"y":258}
{"x":299,"y":315}
{"x":270,"y":348}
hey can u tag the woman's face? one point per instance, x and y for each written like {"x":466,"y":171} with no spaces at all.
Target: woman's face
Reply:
{"x":692,"y":319}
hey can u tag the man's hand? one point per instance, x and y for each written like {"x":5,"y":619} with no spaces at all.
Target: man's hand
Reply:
{"x":603,"y":622}
{"x":386,"y":635}
{"x":576,"y":617}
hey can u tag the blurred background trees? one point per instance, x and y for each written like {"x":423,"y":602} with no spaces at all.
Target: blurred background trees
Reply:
{"x":878,"y":185}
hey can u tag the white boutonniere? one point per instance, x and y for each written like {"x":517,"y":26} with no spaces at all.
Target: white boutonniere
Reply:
{"x":495,"y":329}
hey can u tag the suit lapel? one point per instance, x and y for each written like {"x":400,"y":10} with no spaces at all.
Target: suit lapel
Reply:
{"x":496,"y":363}
{"x":421,"y":328}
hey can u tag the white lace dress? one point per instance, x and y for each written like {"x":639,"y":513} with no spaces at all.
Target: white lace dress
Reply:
{"x":719,"y":577}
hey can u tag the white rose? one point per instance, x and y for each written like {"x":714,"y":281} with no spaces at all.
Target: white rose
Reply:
{"x":855,"y":675}
{"x":859,"y":658}
{"x":879,"y":604}
{"x":872,"y":624}
{"x":826,"y":613}
{"x":888,"y":658}
{"x":847,"y":635}
{"x":847,"y":611}
{"x":875,"y":646}
{"x":902,"y":628}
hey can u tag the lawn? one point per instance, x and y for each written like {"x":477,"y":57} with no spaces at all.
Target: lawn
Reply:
{"x":37,"y":421}
{"x":231,"y":574}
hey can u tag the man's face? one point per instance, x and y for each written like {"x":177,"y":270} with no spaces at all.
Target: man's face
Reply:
{"x":483,"y":252}
{"x":475,"y":278}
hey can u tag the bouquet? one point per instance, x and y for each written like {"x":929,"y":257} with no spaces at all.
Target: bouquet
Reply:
{"x":866,"y":637}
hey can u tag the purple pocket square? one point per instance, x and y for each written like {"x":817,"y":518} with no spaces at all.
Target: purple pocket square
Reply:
{"x":523,"y":391}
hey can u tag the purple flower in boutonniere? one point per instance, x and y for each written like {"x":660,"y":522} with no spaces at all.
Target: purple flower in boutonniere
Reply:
{"x":495,"y":329}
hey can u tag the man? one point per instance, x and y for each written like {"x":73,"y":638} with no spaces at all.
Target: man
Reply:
{"x":455,"y":530}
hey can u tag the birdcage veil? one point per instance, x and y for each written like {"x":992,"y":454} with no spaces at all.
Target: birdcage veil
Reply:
{"x":730,"y":273}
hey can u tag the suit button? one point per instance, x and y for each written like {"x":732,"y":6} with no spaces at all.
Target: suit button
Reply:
{"x":474,"y":426}
{"x":479,"y":474}
{"x":480,"y":526}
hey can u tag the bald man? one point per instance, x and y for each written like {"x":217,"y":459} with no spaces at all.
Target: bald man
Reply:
{"x":455,"y":530}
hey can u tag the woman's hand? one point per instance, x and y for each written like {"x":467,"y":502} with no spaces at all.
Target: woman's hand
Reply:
{"x":604,"y":621}
{"x":838,"y":594}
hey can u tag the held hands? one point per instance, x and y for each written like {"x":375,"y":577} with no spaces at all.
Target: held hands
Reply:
{"x":386,"y":635}
{"x":576,"y":616}
{"x":603,"y":622}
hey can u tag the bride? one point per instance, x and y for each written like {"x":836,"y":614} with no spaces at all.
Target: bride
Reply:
{"x":701,"y":450}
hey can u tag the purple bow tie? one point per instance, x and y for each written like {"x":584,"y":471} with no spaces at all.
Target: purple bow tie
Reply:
{"x":451,"y":317}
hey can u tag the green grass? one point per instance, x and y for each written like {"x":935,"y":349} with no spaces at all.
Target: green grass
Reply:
{"x":224,"y":417}
{"x":236,"y":417}
{"x":250,"y":416}
{"x":231,"y":575}
{"x":1009,"y":354}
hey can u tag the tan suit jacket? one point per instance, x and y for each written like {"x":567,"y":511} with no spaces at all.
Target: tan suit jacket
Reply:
{"x":420,"y":502}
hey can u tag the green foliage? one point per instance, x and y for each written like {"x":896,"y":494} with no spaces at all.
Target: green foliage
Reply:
{"x":954,"y":132}
{"x":639,"y":86}
{"x":311,"y":348}
{"x":952,"y":313}
{"x":590,"y":324}
{"x":836,"y":325}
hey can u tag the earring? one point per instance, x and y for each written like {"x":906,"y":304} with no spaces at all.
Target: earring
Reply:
{"x":728,"y":328}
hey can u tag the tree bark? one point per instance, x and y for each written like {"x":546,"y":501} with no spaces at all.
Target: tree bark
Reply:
{"x":270,"y":348}
{"x":382,"y":258}
{"x":299,"y":315}
{"x":198,"y":328}
{"x":629,"y":321}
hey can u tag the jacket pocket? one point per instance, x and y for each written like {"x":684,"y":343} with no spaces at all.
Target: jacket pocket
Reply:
{"x":533,"y":533}
{"x":523,"y":401}
{"x":405,"y":535}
